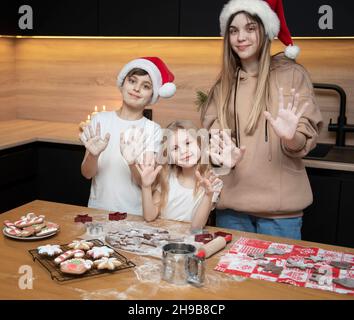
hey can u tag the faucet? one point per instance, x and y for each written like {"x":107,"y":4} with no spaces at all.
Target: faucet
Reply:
{"x":341,"y":127}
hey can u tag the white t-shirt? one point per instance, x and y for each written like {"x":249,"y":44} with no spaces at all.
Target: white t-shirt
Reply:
{"x":113,"y":188}
{"x":181,"y":203}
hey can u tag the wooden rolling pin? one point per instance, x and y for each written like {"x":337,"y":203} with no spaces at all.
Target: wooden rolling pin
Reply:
{"x":212,"y":247}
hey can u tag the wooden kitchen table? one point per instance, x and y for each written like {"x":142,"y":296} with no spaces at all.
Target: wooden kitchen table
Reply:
{"x":141,"y":282}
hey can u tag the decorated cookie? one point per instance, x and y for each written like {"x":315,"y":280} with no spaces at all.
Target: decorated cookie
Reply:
{"x":27,"y":232}
{"x":48,"y":229}
{"x":13,"y":231}
{"x":99,"y":252}
{"x":76,"y":266}
{"x":9,"y":224}
{"x":107,"y":263}
{"x":38,"y":227}
{"x":29,"y":220}
{"x":81,"y":244}
{"x":68,"y":254}
{"x":49,"y":250}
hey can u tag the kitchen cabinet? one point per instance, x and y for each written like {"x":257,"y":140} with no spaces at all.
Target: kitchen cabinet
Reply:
{"x":138,"y":18}
{"x":345,"y":232}
{"x":18,"y":176}
{"x":58,"y":18}
{"x":330,"y":218}
{"x":319,"y":18}
{"x":59,"y":176}
{"x":46,"y":171}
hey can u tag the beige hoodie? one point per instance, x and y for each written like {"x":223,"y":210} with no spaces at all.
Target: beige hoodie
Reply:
{"x":271,"y":180}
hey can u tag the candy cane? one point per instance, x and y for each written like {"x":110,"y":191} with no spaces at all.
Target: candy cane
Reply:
{"x":28,"y":222}
{"x":8,"y":223}
{"x":68,"y":254}
{"x":12,"y":230}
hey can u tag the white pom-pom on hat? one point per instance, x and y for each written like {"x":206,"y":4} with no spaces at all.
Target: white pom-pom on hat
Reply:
{"x":167,"y":90}
{"x":292,"y":51}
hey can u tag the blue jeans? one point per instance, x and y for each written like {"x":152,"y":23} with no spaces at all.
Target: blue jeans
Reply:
{"x":285,"y":227}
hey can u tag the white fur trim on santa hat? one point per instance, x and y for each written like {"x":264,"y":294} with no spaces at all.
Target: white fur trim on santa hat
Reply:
{"x":167,"y":90}
{"x":150,"y":68}
{"x":292,"y":51}
{"x":259,"y":7}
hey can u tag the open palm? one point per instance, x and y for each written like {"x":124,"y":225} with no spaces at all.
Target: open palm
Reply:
{"x":210,"y":182}
{"x":147,"y":170}
{"x":134,"y":146}
{"x":93,"y":141}
{"x":223,"y":151}
{"x":285,"y":124}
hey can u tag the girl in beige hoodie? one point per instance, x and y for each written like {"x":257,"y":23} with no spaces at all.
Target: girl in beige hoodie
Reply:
{"x":268,"y":103}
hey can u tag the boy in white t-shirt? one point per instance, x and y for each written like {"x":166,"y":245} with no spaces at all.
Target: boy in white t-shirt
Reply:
{"x":110,"y":161}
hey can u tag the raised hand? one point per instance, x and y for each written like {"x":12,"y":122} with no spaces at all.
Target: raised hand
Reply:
{"x":147,"y":170}
{"x":223,"y":151}
{"x":210,"y":182}
{"x":134,"y":146}
{"x":285,"y":124}
{"x":93,"y":141}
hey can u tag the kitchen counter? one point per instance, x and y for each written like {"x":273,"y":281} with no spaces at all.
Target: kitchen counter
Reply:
{"x":18,"y":132}
{"x":132,"y":283}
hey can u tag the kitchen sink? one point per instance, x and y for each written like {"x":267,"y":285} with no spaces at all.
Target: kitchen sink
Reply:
{"x":331,"y":152}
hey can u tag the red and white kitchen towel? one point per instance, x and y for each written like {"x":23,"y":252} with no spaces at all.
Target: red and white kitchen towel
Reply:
{"x":317,"y":268}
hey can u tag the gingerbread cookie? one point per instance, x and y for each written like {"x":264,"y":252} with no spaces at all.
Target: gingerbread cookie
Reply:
{"x":291,"y":263}
{"x":271,"y":267}
{"x":107,"y":263}
{"x":49,"y":250}
{"x":81,"y":244}
{"x":27,"y":232}
{"x":13,"y":231}
{"x":76,"y":266}
{"x":345,"y":282}
{"x":38,"y":227}
{"x":257,"y":256}
{"x":100,"y":252}
{"x":29,"y":220}
{"x":68,"y":254}
{"x":322,"y":277}
{"x":315,"y":258}
{"x":275,"y":251}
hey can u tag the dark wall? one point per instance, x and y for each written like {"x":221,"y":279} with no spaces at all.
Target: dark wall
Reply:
{"x":159,"y":17}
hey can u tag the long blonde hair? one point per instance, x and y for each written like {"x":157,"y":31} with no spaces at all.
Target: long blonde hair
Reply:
{"x":168,"y":169}
{"x":231,"y":65}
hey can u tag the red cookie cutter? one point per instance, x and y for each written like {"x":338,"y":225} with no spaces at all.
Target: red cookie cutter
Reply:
{"x":83,"y":218}
{"x":203,"y":237}
{"x":226,"y":235}
{"x":117,"y":215}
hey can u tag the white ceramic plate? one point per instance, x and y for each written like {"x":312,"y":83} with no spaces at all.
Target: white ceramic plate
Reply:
{"x":29,"y":238}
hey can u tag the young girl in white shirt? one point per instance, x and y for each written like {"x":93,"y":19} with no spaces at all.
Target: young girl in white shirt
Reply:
{"x":182,"y":189}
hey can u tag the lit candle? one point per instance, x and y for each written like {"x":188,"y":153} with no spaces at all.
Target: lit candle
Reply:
{"x":88,"y":119}
{"x":103,"y":108}
{"x":93,"y":113}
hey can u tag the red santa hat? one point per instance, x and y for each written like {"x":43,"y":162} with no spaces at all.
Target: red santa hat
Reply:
{"x":161,"y":77}
{"x":271,"y":13}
